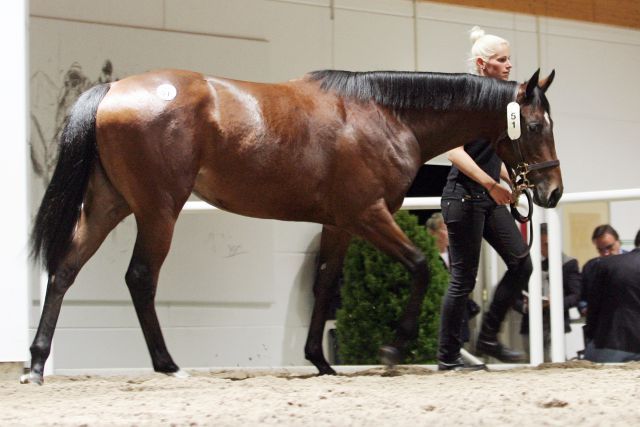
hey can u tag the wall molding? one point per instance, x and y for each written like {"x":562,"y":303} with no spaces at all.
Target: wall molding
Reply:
{"x":622,"y":13}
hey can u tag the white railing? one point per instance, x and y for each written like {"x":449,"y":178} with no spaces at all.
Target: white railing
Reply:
{"x":414,"y":203}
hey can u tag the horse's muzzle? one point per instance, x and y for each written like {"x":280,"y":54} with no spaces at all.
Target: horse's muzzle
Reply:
{"x":547,"y":197}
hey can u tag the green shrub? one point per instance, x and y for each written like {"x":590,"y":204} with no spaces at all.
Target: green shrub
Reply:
{"x":375,"y":292}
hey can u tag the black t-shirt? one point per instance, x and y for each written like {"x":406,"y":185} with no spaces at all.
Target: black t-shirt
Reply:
{"x":485,"y":156}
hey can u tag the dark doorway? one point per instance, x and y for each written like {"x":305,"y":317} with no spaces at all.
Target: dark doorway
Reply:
{"x":429,"y":182}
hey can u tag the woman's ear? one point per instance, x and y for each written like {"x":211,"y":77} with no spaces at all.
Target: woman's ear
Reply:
{"x":480,"y":64}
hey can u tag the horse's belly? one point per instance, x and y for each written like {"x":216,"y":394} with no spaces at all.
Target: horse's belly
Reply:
{"x":261,"y":197}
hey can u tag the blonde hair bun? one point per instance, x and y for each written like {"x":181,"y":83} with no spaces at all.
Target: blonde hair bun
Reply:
{"x":475,"y":34}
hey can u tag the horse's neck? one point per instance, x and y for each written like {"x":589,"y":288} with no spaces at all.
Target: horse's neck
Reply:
{"x":441,"y":131}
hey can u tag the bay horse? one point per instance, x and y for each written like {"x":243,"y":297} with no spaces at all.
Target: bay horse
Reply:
{"x":334,"y":147}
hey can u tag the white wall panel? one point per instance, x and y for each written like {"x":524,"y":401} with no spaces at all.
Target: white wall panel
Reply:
{"x":597,"y":154}
{"x":208,"y":263}
{"x":90,"y":348}
{"x":592,"y":102}
{"x":101,"y":313}
{"x":219,"y":257}
{"x":300,"y":237}
{"x":292,"y":346}
{"x":325,"y":3}
{"x":366,"y":41}
{"x":97,"y":348}
{"x":58,"y":44}
{"x":14,"y":184}
{"x":589,"y":31}
{"x":440,"y":53}
{"x":300,"y":38}
{"x":465,"y":15}
{"x":238,"y":346}
{"x":217,"y":17}
{"x":624,"y":217}
{"x":385,"y":7}
{"x":220,"y":315}
{"x":524,"y":56}
{"x":139,"y":13}
{"x":584,"y":84}
{"x":294,"y":289}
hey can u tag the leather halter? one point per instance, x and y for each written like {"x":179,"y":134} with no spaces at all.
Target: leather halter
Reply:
{"x":520,"y":180}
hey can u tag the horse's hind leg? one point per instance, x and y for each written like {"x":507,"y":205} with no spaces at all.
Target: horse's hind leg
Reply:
{"x":333,"y":246}
{"x":102,"y":210}
{"x":155,"y":230}
{"x":379,"y":228}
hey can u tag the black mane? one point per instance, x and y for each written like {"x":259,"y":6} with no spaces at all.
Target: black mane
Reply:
{"x":417,"y":90}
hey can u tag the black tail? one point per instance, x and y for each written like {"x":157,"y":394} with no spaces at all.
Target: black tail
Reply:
{"x":60,"y":208}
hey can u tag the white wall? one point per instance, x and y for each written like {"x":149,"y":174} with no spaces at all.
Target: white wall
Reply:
{"x":13,"y":185}
{"x":253,"y":308}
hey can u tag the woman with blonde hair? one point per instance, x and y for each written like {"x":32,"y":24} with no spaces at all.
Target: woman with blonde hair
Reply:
{"x":474,"y":207}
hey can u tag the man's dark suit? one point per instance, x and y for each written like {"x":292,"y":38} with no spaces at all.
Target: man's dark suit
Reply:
{"x":613,"y":315}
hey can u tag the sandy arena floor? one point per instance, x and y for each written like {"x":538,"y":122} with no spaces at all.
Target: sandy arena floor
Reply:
{"x":577,"y":394}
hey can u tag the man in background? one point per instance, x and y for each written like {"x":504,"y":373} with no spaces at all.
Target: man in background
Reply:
{"x":607,"y":242}
{"x":613,"y":313}
{"x":571,"y":287}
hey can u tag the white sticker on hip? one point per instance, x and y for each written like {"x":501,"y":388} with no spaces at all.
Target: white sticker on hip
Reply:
{"x":166,"y":92}
{"x":513,"y":120}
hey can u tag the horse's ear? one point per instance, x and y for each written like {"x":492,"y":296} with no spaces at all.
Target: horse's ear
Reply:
{"x":531,"y":84}
{"x":545,"y":83}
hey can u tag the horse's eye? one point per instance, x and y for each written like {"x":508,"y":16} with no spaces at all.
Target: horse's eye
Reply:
{"x":534,"y":127}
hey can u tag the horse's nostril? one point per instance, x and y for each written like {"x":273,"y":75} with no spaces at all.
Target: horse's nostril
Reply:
{"x":555,"y":197}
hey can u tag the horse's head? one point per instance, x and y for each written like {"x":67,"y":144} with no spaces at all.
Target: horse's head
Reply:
{"x":529,"y":148}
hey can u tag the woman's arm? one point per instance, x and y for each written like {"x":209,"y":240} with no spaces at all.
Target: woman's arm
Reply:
{"x":504,"y":174}
{"x":465,"y":163}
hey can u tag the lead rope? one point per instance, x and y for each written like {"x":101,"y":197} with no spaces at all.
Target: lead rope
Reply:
{"x":521,"y":186}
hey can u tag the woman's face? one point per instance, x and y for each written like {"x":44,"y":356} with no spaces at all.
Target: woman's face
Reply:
{"x":498,"y":66}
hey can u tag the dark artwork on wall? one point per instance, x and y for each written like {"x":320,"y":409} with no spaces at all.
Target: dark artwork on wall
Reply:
{"x":43,"y":144}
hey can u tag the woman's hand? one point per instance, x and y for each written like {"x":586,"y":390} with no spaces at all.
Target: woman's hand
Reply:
{"x":500,"y":194}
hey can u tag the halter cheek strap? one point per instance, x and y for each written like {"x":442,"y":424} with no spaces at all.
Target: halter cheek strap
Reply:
{"x":514,"y":131}
{"x":519,"y":176}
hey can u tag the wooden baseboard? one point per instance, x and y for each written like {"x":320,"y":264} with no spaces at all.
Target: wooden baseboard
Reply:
{"x":624,"y":13}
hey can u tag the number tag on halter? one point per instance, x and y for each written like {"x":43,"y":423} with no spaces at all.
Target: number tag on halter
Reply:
{"x":513,"y":120}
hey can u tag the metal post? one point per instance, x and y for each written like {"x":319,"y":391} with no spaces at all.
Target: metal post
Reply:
{"x":536,"y":345}
{"x":556,"y":293}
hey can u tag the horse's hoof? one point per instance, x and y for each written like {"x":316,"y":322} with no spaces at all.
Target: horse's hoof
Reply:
{"x":31,"y":378}
{"x":389,"y":356}
{"x":326,"y":370}
{"x":179,"y":374}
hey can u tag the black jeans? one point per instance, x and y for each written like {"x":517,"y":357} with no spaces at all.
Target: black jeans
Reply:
{"x":469,"y":218}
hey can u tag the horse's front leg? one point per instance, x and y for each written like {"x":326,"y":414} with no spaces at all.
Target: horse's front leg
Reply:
{"x":333,"y":246}
{"x":381,"y":230}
